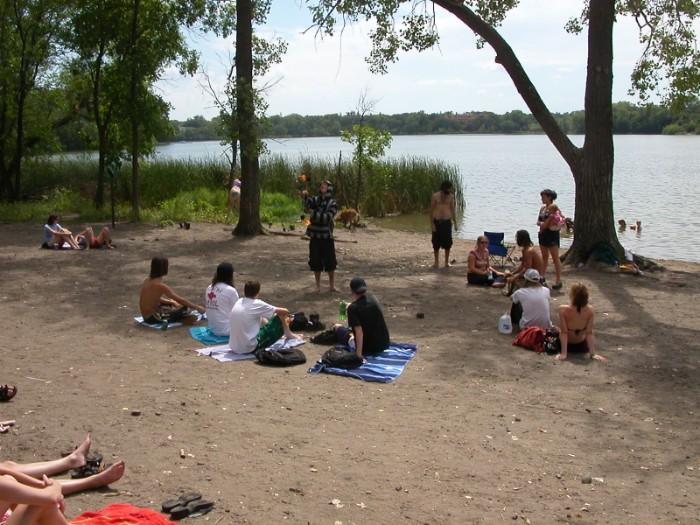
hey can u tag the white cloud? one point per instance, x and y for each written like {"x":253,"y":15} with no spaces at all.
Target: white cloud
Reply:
{"x":327,"y":75}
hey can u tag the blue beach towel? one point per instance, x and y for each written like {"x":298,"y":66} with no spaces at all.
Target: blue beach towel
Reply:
{"x":204,"y":335}
{"x":159,"y":326}
{"x":380,"y":368}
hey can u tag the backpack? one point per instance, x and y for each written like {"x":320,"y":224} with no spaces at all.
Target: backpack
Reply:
{"x":338,"y":357}
{"x":530,"y":337}
{"x":284,"y":357}
{"x":301,"y":323}
{"x":327,"y":337}
{"x":551,"y":342}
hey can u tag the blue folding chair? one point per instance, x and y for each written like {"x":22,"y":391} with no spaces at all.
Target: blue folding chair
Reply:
{"x":498,"y":248}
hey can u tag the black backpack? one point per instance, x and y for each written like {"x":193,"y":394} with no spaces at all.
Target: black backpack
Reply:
{"x":341,"y":358}
{"x":283,"y":357}
{"x":327,"y":337}
{"x":301,"y":323}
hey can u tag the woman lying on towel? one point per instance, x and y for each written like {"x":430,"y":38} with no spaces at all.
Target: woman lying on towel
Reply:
{"x":29,"y":497}
{"x":158,"y":302}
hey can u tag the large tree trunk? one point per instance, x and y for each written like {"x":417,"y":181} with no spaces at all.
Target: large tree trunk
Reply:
{"x":594,"y":220}
{"x":591,"y":165}
{"x":19,"y":146}
{"x":249,"y":218}
{"x":102,"y":148}
{"x":133,"y":95}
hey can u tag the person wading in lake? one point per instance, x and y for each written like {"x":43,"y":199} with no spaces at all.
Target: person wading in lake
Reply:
{"x":442,"y":218}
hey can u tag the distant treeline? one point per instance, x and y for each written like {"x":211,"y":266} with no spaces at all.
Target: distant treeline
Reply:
{"x":627,"y":119}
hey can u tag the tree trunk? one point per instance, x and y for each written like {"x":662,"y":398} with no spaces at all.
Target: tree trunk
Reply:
{"x":594,"y":220}
{"x":592,"y":165}
{"x":249,"y":217}
{"x":133,"y":95}
{"x":19,"y":146}
{"x":102,"y":148}
{"x":101,"y":128}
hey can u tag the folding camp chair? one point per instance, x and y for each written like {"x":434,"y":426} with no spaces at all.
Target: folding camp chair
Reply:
{"x":498,"y":248}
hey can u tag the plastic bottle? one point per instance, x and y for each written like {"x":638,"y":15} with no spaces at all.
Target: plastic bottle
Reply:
{"x":164,"y":325}
{"x":342,"y":311}
{"x":505,"y":325}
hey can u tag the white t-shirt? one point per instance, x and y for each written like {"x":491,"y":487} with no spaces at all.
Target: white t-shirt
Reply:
{"x":219,"y":300}
{"x":245,"y":323}
{"x":535,"y":303}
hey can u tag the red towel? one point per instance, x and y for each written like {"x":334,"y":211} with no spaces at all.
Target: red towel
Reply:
{"x":121,"y":514}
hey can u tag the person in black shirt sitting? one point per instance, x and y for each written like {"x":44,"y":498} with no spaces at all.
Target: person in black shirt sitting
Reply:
{"x":366,"y":320}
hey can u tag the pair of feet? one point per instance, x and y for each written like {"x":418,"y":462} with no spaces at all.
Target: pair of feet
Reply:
{"x":78,"y":459}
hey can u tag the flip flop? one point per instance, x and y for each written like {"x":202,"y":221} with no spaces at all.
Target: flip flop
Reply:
{"x":7,"y":392}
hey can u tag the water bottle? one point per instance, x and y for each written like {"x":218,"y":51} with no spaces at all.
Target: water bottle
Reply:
{"x":505,"y":325}
{"x":342,"y":311}
{"x":164,"y":325}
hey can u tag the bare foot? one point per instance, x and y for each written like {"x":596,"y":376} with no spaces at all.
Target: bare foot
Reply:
{"x":436,"y":266}
{"x":599,"y":357}
{"x":333,"y":290}
{"x":109,"y":475}
{"x":77,"y":457}
{"x":559,"y":357}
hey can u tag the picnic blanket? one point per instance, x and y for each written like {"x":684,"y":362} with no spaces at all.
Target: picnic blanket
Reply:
{"x":159,"y":326}
{"x":204,"y":335}
{"x":121,"y":514}
{"x":223,"y":353}
{"x":380,"y":368}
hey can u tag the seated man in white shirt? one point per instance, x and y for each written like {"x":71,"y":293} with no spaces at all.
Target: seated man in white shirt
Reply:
{"x":531,"y":303}
{"x":249,"y":314}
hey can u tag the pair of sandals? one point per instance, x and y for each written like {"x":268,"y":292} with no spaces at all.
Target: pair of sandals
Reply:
{"x":7,"y":392}
{"x":189,"y":504}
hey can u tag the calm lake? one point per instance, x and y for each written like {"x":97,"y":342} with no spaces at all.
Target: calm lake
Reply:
{"x":657,"y":181}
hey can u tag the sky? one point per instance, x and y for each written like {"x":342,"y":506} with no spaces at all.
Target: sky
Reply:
{"x":328,"y":75}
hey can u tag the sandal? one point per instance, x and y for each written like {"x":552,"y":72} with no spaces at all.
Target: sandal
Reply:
{"x":7,"y":392}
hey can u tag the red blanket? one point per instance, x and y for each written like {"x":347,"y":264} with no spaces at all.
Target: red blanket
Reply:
{"x":121,"y":514}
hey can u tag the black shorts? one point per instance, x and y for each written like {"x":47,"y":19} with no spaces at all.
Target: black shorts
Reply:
{"x":322,"y":255}
{"x":548,"y":238}
{"x":442,"y":236}
{"x":479,"y":279}
{"x":577,"y":348}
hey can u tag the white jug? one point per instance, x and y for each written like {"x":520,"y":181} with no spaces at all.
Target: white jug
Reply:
{"x":505,"y":325}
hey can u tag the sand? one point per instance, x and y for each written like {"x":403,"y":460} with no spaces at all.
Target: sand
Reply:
{"x":474,"y":431}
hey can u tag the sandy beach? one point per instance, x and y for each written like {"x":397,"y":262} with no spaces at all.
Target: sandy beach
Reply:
{"x":474,"y":431}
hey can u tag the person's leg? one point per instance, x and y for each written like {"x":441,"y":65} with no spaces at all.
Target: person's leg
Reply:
{"x":516,"y":313}
{"x":545,"y":256}
{"x":104,"y":238}
{"x":331,"y":281}
{"x":554,"y":250}
{"x":317,"y":276}
{"x":75,"y":459}
{"x":35,"y":515}
{"x":447,"y":258}
{"x":436,"y":253}
{"x":109,"y":475}
{"x":286,"y":331}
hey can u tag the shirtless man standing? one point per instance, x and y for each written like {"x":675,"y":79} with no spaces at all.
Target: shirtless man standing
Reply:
{"x":442,"y":215}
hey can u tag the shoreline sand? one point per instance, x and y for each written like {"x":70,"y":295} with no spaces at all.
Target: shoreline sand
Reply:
{"x":474,"y":431}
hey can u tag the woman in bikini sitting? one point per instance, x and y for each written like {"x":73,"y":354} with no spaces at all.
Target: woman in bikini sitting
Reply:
{"x":576,"y":325}
{"x":479,"y":271}
{"x":29,"y":497}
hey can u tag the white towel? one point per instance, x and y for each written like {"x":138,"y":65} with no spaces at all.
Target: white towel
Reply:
{"x":223,"y":353}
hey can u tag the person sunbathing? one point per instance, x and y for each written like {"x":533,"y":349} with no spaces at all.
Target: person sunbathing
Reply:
{"x":88,"y":239}
{"x":576,"y":325}
{"x":28,"y":496}
{"x":55,"y":235}
{"x":158,"y":302}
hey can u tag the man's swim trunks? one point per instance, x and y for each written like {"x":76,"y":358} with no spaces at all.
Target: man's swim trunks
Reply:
{"x":442,"y":236}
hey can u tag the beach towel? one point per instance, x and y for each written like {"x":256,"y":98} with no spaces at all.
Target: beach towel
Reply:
{"x":223,"y":353}
{"x":159,"y":326}
{"x":121,"y":514}
{"x":381,"y":368}
{"x":204,"y":335}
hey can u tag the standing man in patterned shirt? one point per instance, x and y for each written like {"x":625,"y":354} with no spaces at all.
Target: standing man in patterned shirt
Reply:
{"x":321,"y":210}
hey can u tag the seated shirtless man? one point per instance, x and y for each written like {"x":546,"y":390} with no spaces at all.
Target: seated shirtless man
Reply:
{"x":531,"y":258}
{"x":29,"y":497}
{"x":158,"y":302}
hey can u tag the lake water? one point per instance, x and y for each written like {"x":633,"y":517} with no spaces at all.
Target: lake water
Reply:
{"x":657,"y":181}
